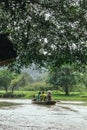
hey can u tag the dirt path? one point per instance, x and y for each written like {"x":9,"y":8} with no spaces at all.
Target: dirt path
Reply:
{"x":28,"y":116}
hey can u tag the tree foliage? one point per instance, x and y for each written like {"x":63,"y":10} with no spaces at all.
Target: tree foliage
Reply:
{"x":16,"y":82}
{"x":64,"y":78}
{"x":5,"y":79}
{"x":48,"y":32}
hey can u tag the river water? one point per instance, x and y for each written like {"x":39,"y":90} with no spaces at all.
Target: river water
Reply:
{"x":27,"y":116}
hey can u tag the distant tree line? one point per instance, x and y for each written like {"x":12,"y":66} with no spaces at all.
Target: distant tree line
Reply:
{"x":65,"y":79}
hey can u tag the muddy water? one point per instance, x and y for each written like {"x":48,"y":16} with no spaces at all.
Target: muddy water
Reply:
{"x":28,"y":116}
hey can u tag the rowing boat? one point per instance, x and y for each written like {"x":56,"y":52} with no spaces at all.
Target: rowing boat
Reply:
{"x":44,"y":102}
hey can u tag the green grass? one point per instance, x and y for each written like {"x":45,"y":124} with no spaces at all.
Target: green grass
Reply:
{"x":4,"y":104}
{"x":56,"y":95}
{"x":27,"y":94}
{"x":74,"y":96}
{"x":18,"y":94}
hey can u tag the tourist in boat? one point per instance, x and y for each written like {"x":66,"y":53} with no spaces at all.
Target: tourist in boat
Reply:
{"x":49,"y":96}
{"x":38,"y":96}
{"x":43,"y":96}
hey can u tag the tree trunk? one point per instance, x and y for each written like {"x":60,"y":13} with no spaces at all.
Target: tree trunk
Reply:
{"x":66,"y":91}
{"x":13,"y":89}
{"x":6,"y":89}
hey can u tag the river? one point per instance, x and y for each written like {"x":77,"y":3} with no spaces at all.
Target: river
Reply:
{"x":27,"y":116}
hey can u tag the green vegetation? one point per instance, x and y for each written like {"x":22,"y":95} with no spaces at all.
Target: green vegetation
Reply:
{"x":26,"y":87}
{"x":56,"y":95}
{"x":46,"y":32}
{"x":4,"y":104}
{"x":74,"y":96}
{"x":36,"y":86}
{"x":63,"y":77}
{"x":8,"y":80}
{"x":50,"y":34}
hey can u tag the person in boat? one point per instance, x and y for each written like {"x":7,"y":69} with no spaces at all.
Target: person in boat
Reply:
{"x":38,"y":96}
{"x":43,"y":96}
{"x":49,"y":96}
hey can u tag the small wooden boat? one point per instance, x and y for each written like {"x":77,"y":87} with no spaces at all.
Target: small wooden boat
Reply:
{"x":44,"y":102}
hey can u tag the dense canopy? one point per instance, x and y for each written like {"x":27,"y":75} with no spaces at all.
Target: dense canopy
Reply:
{"x":50,"y":32}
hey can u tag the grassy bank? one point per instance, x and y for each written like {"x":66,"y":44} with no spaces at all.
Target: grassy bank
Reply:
{"x":74,"y":96}
{"x":56,"y":95}
{"x":4,"y":104}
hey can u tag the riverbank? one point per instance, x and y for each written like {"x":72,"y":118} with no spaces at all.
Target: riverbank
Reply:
{"x":56,"y":95}
{"x":7,"y":104}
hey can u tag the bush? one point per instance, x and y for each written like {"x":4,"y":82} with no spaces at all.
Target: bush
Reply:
{"x":11,"y":95}
{"x":37,"y":86}
{"x":8,"y":95}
